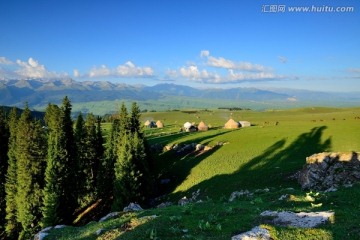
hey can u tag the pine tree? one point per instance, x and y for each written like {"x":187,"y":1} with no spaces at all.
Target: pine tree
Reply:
{"x":123,"y":189}
{"x":80,"y":140}
{"x":12,"y":226}
{"x":132,"y":177}
{"x":99,"y":140}
{"x":54,"y":168}
{"x":106,"y":168}
{"x":4,"y":145}
{"x":135,"y":125}
{"x":86,"y":139}
{"x":30,"y":155}
{"x":60,"y":193}
{"x":69,"y":200}
{"x":124,"y":121}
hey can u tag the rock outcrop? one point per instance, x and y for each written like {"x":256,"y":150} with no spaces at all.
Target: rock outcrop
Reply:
{"x":133,"y":207}
{"x":256,"y":233}
{"x":301,"y":219}
{"x":324,"y":171}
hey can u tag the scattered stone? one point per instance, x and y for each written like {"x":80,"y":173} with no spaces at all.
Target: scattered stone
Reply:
{"x":199,"y":147}
{"x":283,"y":197}
{"x":301,"y":219}
{"x":207,"y":148}
{"x":59,"y":226}
{"x":237,"y":194}
{"x":109,"y":216}
{"x":195,"y":195}
{"x":183,"y":201}
{"x":331,"y":189}
{"x":265,"y":190}
{"x":100,"y":231}
{"x":40,"y":235}
{"x":324,"y":171}
{"x":133,"y":207}
{"x":148,"y":217}
{"x":256,"y":233}
{"x":164,"y":205}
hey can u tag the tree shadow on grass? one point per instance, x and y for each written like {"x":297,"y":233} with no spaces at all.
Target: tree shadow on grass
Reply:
{"x":174,"y":167}
{"x":270,"y":169}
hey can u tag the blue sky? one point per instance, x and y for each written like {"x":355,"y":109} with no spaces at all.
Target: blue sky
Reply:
{"x":204,"y":43}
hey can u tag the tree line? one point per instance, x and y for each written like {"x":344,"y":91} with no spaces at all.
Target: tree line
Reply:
{"x":48,"y":171}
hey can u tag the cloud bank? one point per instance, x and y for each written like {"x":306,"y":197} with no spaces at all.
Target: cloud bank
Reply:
{"x":26,"y":69}
{"x":219,"y":70}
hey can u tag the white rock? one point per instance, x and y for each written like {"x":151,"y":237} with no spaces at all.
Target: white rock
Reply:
{"x":237,"y":194}
{"x":40,"y":236}
{"x":108,"y":216}
{"x":256,"y":233}
{"x":301,"y":219}
{"x":283,"y":197}
{"x":133,"y":207}
{"x":59,"y":226}
{"x":183,"y":201}
{"x":100,"y":231}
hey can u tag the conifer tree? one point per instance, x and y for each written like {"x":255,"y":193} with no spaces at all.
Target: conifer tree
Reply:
{"x":88,"y":158}
{"x":54,"y":168}
{"x":135,"y":125}
{"x":60,"y":193}
{"x":106,"y":168}
{"x":70,"y":170}
{"x":80,"y":141}
{"x":99,"y":141}
{"x":123,"y":189}
{"x":30,"y":155}
{"x":4,"y":145}
{"x":12,"y":226}
{"x":132,"y":177}
{"x":124,"y":121}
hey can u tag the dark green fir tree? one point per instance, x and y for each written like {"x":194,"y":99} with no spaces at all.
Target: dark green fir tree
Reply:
{"x":4,"y":146}
{"x":30,"y":155}
{"x":12,"y":226}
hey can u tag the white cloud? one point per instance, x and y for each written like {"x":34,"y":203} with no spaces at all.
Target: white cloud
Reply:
{"x":101,"y":71}
{"x":220,"y":62}
{"x":193,"y":73}
{"x":32,"y":69}
{"x":76,"y":73}
{"x":5,"y":61}
{"x":128,"y":69}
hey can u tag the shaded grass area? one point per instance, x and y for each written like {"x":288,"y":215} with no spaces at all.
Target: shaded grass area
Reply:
{"x":220,"y":219}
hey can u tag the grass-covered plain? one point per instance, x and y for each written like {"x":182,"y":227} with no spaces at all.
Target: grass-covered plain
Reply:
{"x":258,"y":157}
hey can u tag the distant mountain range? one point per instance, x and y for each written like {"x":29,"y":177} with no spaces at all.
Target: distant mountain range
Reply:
{"x":40,"y":92}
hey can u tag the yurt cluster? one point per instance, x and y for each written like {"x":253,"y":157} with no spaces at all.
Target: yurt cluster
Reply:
{"x":202,"y":126}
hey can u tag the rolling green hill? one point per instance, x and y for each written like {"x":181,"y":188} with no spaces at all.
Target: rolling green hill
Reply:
{"x":263,"y":156}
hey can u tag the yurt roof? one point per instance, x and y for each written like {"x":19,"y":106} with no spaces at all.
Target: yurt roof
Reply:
{"x":147,"y":123}
{"x":231,"y":124}
{"x":187,"y":125}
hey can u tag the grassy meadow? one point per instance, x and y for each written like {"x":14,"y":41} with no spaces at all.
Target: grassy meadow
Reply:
{"x":263,"y":156}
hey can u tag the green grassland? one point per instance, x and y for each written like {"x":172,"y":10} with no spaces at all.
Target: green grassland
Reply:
{"x":169,"y":103}
{"x":264,"y":155}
